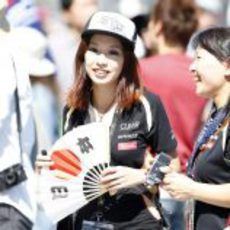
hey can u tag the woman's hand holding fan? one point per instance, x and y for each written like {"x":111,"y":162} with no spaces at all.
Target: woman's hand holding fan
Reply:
{"x":73,"y":178}
{"x":120,"y":177}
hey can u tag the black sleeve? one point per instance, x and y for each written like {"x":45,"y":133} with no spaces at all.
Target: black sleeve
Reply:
{"x":64,"y":114}
{"x":74,"y":119}
{"x":227,"y":147}
{"x":161,"y":136}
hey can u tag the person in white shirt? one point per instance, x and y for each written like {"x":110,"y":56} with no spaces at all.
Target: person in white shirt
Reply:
{"x":17,"y":196}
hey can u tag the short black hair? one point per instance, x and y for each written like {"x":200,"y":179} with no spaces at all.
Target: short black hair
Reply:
{"x":66,"y":4}
{"x":216,"y":40}
{"x":141,"y":22}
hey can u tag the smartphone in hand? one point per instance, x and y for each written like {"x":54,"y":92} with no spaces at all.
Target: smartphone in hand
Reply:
{"x":154,"y":175}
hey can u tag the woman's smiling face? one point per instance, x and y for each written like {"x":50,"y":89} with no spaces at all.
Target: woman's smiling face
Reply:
{"x":209,"y":73}
{"x":104,"y":59}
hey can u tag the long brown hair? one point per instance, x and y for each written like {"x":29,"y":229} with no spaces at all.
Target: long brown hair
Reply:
{"x":129,"y":86}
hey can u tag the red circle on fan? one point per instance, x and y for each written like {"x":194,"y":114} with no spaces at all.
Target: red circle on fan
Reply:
{"x":66,"y":162}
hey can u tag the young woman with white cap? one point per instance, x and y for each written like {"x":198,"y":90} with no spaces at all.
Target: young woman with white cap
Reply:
{"x":107,"y":89}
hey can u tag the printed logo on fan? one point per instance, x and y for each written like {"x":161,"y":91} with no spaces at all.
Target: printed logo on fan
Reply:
{"x":131,"y":145}
{"x":59,"y":192}
{"x":66,"y":164}
{"x":84,"y":144}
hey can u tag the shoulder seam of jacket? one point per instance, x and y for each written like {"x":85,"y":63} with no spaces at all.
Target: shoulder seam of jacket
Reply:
{"x":148,"y":111}
{"x":68,"y":118}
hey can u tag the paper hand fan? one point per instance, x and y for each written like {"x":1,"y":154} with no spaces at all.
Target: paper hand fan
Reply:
{"x":79,"y":158}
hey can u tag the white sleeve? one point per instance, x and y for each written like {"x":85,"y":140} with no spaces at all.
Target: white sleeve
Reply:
{"x":7,"y":84}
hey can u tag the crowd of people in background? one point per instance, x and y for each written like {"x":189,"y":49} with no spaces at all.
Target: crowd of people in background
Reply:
{"x":40,"y":47}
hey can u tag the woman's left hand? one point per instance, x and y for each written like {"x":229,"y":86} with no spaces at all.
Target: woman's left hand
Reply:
{"x":119,"y":177}
{"x":179,"y":185}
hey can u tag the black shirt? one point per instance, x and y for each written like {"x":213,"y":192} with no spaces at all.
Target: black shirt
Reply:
{"x":132,"y":131}
{"x":212,"y":166}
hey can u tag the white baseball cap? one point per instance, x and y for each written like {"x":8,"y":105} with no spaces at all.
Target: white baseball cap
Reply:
{"x":113,"y":24}
{"x":33,"y":45}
